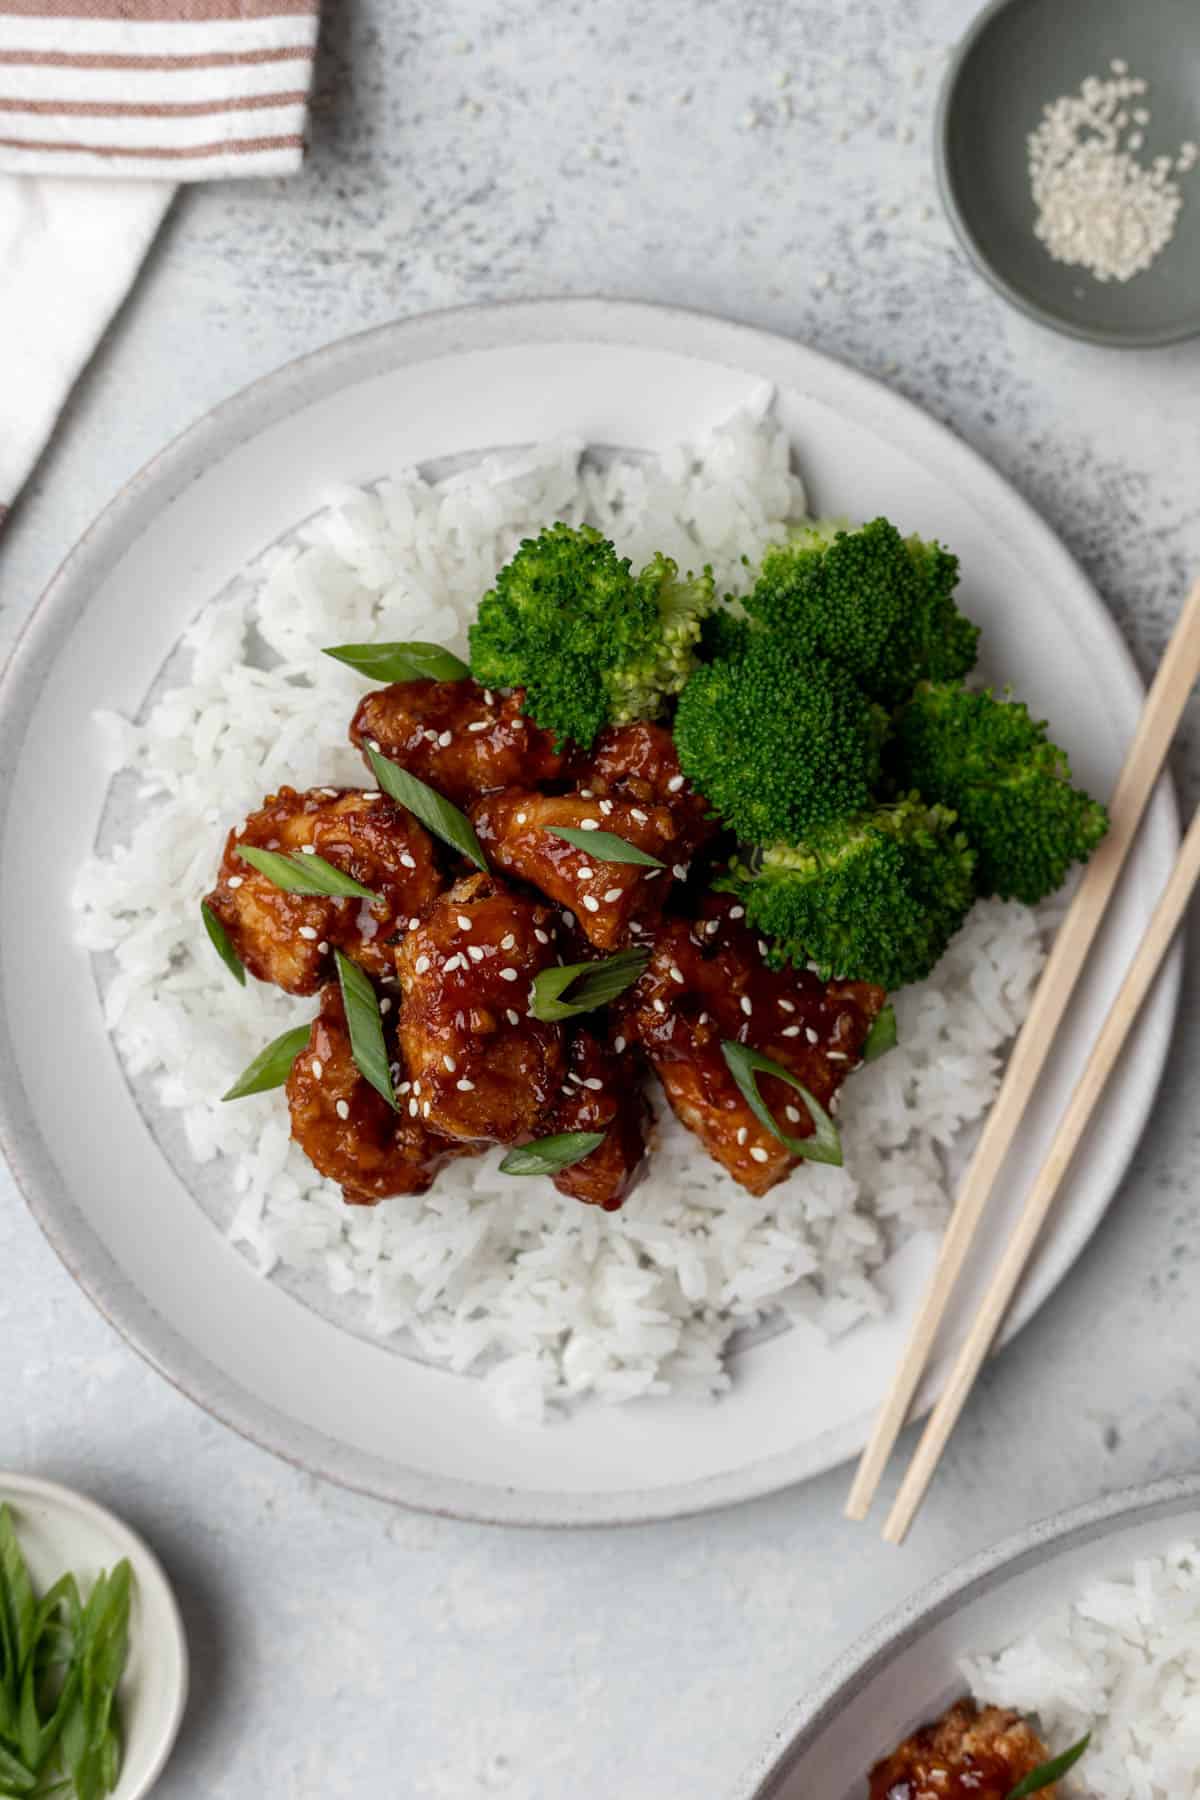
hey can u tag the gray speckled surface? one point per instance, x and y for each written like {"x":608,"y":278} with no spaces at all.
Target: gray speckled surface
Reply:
{"x":471,"y":152}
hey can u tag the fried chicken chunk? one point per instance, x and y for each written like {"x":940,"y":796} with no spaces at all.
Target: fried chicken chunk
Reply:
{"x":601,"y":1093}
{"x":615,"y":903}
{"x":460,"y":738}
{"x":290,"y":938}
{"x":480,"y":1066}
{"x":347,"y":1130}
{"x":637,"y":763}
{"x":970,"y":1753}
{"x":707,"y":981}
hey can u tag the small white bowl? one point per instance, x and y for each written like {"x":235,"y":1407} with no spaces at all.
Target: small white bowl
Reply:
{"x":60,"y":1530}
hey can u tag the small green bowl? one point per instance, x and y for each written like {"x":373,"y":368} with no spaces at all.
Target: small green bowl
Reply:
{"x":1018,"y":56}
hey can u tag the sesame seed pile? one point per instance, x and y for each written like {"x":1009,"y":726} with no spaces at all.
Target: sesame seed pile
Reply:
{"x":1099,"y":207}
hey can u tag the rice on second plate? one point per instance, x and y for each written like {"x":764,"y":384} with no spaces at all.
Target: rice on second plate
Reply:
{"x":546,"y":1298}
{"x":1121,"y":1660}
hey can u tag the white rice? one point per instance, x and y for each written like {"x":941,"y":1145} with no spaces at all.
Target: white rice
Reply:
{"x":1121,"y":1660}
{"x":546,"y":1298}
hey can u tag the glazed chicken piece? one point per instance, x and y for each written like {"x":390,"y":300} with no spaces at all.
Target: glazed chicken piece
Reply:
{"x":601,"y":1092}
{"x":968,"y":1754}
{"x":480,"y":1066}
{"x":347,"y":1130}
{"x":637,"y":763}
{"x":460,"y":738}
{"x":707,"y":981}
{"x":290,"y":938}
{"x":615,"y":903}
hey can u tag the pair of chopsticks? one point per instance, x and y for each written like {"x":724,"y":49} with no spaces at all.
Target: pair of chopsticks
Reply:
{"x":1172,"y":685}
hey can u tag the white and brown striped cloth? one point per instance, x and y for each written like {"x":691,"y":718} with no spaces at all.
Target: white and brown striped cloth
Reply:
{"x":104,"y":106}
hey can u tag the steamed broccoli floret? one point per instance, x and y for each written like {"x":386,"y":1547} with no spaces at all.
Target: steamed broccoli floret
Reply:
{"x":589,"y":643}
{"x":681,"y":604}
{"x":725,"y":634}
{"x":876,"y":898}
{"x":880,"y":605}
{"x":1010,"y":787}
{"x":778,"y":745}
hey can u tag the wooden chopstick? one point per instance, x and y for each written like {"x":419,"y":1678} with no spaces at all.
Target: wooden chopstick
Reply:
{"x":1116,"y":1028}
{"x":1177,"y":674}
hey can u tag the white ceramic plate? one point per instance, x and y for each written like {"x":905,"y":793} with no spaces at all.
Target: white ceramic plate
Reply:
{"x":616,"y":374}
{"x":60,"y":1530}
{"x":907,"y":1670}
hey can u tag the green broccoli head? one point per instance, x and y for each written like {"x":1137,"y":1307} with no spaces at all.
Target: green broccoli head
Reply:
{"x":724,"y":635}
{"x":778,"y":745}
{"x":874,"y":898}
{"x":880,"y":605}
{"x":1011,"y":788}
{"x":590,"y":644}
{"x":638,"y":687}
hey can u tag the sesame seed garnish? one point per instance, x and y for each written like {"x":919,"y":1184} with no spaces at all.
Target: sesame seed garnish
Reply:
{"x":449,"y":1063}
{"x":464,"y":924}
{"x":413,"y":923}
{"x":508,"y":974}
{"x":712,"y":927}
{"x":521,"y":818}
{"x":675,"y":974}
{"x":606,"y":807}
{"x":543,"y":937}
{"x":308,"y":849}
{"x":323,"y":947}
{"x":318,"y":1068}
{"x":635,"y":812}
{"x":618,"y":1044}
{"x":762,"y":946}
{"x":431,"y":737}
{"x":591,"y":902}
{"x":385,"y":1006}
{"x":416,"y":1087}
{"x":742,"y":1135}
{"x":329,"y":793}
{"x":370,"y":795}
{"x":453,"y":962}
{"x":703,"y":1019}
{"x":413,"y":1109}
{"x":407,"y":861}
{"x":675,"y":783}
{"x":737,"y":912}
{"x":306,"y":931}
{"x":489,"y":699}
{"x":594,"y":1083}
{"x":478,"y":725}
{"x":426,"y":1108}
{"x":793,"y":1114}
{"x":373,"y":744}
{"x":404,"y":1087}
{"x":475,"y":952}
{"x":585,"y":793}
{"x":235,"y":881}
{"x":569,"y":920}
{"x":787,"y":1006}
{"x":421,"y":964}
{"x":659,"y":1006}
{"x":653,"y":874}
{"x":758,"y":1153}
{"x":464,"y":1086}
{"x":589,"y":824}
{"x":790,"y":1031}
{"x":512,"y":1017}
{"x":611,"y":895}
{"x":343,"y":1109}
{"x":811,"y":1035}
{"x":746,"y":1004}
{"x":507,"y":942}
{"x":680,"y":871}
{"x":445,"y":739}
{"x":584,"y":872}
{"x":837,"y":1056}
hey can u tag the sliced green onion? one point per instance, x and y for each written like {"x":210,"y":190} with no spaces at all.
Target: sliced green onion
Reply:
{"x":221,"y":943}
{"x":272,"y":1066}
{"x":550,"y":1154}
{"x":744,"y":1064}
{"x":401,"y":662}
{"x":436,"y":813}
{"x":366,"y":1027}
{"x":605,"y":846}
{"x":572,"y":988}
{"x":297,"y":874}
{"x":1051,"y":1771}
{"x":882,"y":1037}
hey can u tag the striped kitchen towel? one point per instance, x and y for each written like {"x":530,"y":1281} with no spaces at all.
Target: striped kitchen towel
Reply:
{"x":144,"y":94}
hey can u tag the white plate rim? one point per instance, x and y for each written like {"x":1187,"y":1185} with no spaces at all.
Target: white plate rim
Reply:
{"x":150,"y":1577}
{"x":1036,"y":1545}
{"x":635,"y":324}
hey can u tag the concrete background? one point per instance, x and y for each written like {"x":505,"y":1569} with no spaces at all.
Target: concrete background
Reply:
{"x":772,"y":164}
